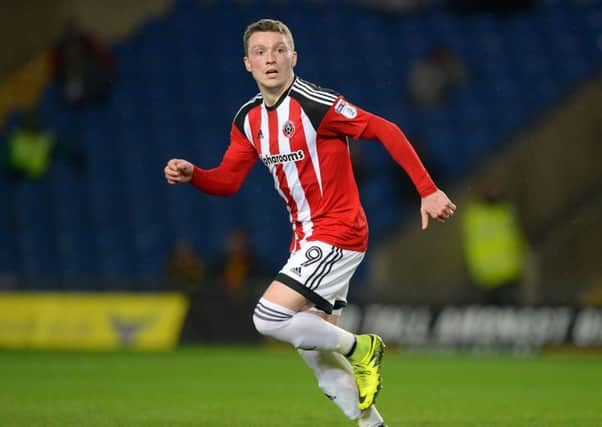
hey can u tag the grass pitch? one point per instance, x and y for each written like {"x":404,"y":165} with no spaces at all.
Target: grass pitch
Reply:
{"x":234,"y":386}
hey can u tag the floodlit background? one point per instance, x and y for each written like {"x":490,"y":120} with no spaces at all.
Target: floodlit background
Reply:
{"x":498,"y":97}
{"x":501,"y":99}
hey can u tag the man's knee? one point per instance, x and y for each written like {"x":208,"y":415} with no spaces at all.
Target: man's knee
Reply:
{"x":285,"y":326}
{"x":265,"y":326}
{"x":269,"y":318}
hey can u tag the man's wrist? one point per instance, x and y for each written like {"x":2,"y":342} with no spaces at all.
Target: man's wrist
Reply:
{"x":427,"y":190}
{"x":196,"y":176}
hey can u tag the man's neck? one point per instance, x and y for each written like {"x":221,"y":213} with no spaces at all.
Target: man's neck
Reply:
{"x":271,"y":96}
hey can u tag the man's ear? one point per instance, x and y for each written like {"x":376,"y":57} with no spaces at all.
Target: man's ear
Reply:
{"x":294,"y":58}
{"x":247,"y":63}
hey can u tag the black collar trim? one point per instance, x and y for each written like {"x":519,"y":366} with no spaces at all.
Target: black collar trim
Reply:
{"x":284,"y":95}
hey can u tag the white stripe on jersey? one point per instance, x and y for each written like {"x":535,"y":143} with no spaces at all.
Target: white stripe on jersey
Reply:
{"x":312,"y":146}
{"x":291,"y":172}
{"x":316,"y":92}
{"x":248,"y":132}
{"x":265,"y":150}
{"x":250,"y":101}
{"x":313,"y":98}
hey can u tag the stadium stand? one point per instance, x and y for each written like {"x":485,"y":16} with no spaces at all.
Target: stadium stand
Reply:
{"x":181,"y":81}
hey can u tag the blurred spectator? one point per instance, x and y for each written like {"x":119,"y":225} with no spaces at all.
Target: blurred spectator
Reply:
{"x":238,"y":266}
{"x":495,"y":247}
{"x":82,"y":68}
{"x":185,"y":268}
{"x":30,"y":149}
{"x":431,"y":78}
{"x":592,"y":296}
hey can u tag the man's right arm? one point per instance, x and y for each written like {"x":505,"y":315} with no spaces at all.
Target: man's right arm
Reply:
{"x":224,"y":180}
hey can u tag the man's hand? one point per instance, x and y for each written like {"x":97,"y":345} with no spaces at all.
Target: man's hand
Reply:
{"x":178,"y":171}
{"x":436,"y":205}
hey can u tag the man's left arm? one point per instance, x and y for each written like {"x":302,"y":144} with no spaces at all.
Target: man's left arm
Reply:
{"x":434,"y":202}
{"x":347,"y":119}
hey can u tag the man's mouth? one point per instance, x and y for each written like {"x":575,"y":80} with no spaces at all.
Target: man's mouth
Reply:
{"x":271,"y":72}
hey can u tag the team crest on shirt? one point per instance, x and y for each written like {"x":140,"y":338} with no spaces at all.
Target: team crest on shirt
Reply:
{"x":345,"y":109}
{"x":288,"y":129}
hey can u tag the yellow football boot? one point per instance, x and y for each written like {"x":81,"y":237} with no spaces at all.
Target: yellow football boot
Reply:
{"x":366,"y":361}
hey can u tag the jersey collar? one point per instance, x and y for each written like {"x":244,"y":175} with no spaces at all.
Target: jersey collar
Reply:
{"x":284,"y":95}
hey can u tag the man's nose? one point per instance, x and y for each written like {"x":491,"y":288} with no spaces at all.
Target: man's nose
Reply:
{"x":270,"y":57}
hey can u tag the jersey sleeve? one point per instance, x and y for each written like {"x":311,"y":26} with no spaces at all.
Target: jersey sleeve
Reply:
{"x":227,"y":178}
{"x":345,"y":119}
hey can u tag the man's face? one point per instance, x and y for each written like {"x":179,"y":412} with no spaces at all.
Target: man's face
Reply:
{"x":270,"y":59}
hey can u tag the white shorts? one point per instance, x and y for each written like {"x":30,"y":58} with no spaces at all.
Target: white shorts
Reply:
{"x":321,"y":273}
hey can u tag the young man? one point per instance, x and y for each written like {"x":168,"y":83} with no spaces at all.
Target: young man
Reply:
{"x":300,"y":132}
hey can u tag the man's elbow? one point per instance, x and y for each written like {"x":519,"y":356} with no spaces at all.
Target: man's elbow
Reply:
{"x":380,"y":129}
{"x":229,"y":189}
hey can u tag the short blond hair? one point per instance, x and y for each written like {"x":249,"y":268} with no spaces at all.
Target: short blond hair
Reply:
{"x":267,"y":25}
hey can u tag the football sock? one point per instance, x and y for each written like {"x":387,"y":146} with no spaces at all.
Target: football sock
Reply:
{"x":370,"y":418}
{"x":303,"y":330}
{"x":335,"y":379}
{"x":359,"y":349}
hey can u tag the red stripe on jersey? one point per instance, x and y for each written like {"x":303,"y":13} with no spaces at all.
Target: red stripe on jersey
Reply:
{"x":274,"y":128}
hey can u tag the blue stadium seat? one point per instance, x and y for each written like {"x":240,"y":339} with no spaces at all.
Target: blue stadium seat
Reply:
{"x":178,"y":92}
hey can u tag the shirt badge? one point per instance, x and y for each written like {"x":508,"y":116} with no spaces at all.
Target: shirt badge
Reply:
{"x":288,"y":129}
{"x":345,"y":109}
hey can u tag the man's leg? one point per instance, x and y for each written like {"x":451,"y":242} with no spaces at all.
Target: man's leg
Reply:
{"x":337,"y":381}
{"x":280,"y":314}
{"x":318,"y":275}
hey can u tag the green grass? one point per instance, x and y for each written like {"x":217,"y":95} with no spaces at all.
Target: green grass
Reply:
{"x":221,"y":386}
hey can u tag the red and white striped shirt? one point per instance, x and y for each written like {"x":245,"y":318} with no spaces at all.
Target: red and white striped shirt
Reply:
{"x":303,"y":141}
